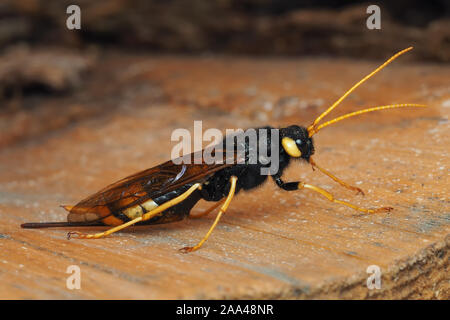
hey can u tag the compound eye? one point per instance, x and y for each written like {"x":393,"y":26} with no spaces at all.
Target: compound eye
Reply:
{"x":290,"y":146}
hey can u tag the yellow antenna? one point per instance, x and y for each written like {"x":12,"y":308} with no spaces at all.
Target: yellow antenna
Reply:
{"x":312,"y":129}
{"x":356,"y":113}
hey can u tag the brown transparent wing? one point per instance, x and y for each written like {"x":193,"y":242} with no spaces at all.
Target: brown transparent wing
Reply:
{"x":148,"y":184}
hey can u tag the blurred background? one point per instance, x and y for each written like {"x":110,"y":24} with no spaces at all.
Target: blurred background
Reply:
{"x":263,"y":27}
{"x":41,"y":59}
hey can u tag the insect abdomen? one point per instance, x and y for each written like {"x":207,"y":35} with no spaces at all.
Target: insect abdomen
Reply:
{"x":111,"y":217}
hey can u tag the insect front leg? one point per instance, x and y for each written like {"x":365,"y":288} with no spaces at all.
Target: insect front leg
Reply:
{"x":291,"y":186}
{"x":342,"y":183}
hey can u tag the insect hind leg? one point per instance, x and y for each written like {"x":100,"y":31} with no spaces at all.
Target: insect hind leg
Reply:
{"x":81,"y":235}
{"x":144,"y":217}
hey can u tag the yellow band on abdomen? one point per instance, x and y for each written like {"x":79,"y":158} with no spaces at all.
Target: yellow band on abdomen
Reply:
{"x":136,"y":211}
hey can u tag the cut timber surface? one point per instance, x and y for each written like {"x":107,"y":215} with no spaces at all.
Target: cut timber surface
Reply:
{"x":270,"y":243}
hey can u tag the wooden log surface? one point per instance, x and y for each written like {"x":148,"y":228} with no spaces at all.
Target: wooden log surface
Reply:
{"x":270,"y":243}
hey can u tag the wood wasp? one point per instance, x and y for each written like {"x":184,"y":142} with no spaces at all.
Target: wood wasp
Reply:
{"x":168,"y":192}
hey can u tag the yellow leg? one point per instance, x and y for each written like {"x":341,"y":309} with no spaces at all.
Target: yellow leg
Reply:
{"x":206,"y":212}
{"x":222,"y":211}
{"x":144,"y":217}
{"x":342,"y":183}
{"x":330,"y":197}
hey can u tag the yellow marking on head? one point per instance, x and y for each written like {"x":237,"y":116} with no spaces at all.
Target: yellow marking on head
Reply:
{"x":290,"y":147}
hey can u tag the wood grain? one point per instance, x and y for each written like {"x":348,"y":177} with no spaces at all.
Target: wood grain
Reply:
{"x":270,"y":243}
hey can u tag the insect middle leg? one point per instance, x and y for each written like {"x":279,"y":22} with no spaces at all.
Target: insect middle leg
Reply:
{"x":144,"y":217}
{"x":342,"y":183}
{"x":291,"y":186}
{"x":221,"y":212}
{"x":206,"y":212}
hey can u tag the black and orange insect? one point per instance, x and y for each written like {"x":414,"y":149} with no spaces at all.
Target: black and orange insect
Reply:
{"x":169,"y":191}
